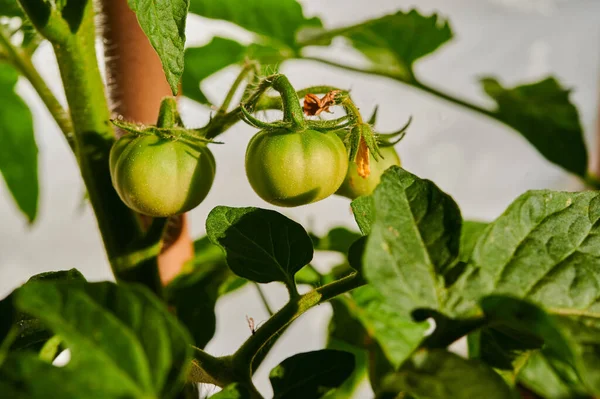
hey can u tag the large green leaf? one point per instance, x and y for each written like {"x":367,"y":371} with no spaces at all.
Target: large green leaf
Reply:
{"x":311,"y":374}
{"x":30,"y":332}
{"x":260,"y":245}
{"x":18,"y":152}
{"x":545,"y":248}
{"x":363,"y":209}
{"x":123,"y":343}
{"x":277,"y":20}
{"x":438,"y":374}
{"x":163,"y":22}
{"x":544,"y":115}
{"x":201,"y":62}
{"x":414,"y":239}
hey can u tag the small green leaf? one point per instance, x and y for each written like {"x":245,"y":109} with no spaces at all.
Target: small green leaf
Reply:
{"x":544,"y":248}
{"x":413,"y":240}
{"x":348,"y":387}
{"x":277,"y":20}
{"x":394,"y":42}
{"x":201,"y":62}
{"x":233,"y":391}
{"x":549,"y":380}
{"x":18,"y":152}
{"x":123,"y":342}
{"x":311,"y":374}
{"x":364,"y":213}
{"x":10,"y":8}
{"x":260,"y":245}
{"x":544,"y":115}
{"x":438,"y":374}
{"x":338,"y":239}
{"x":163,"y":22}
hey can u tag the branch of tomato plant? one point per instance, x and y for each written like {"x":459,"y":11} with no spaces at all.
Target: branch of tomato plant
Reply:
{"x":130,"y":256}
{"x":21,"y":60}
{"x":245,"y":355}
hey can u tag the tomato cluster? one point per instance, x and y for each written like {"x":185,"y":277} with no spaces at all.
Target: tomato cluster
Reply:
{"x":288,"y":163}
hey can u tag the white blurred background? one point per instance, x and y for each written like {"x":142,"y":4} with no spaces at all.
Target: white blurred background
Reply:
{"x":481,"y":163}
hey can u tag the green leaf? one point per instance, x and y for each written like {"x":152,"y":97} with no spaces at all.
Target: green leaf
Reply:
{"x":201,"y":62}
{"x":123,"y":342}
{"x":394,"y":42}
{"x":163,"y":22}
{"x":194,"y":292}
{"x":31,"y":333}
{"x":233,"y":391}
{"x":544,"y":115}
{"x":363,"y":209}
{"x":470,"y":233}
{"x":260,"y":245}
{"x":438,"y":374}
{"x":311,"y":374}
{"x":548,"y":379}
{"x":544,"y":248}
{"x":348,"y":387}
{"x":277,"y":20}
{"x":10,"y":8}
{"x":338,"y":239}
{"x":18,"y":152}
{"x":398,"y":336}
{"x":413,"y":240}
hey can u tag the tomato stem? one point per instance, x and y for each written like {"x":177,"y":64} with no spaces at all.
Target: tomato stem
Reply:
{"x":292,"y":111}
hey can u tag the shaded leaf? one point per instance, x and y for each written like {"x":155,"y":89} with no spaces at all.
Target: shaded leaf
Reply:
{"x":311,"y":374}
{"x":277,"y":20}
{"x":413,"y":240}
{"x":201,"y":62}
{"x":10,"y":8}
{"x":18,"y":152}
{"x":123,"y":343}
{"x":438,"y":374}
{"x":338,"y":239}
{"x":348,"y":387}
{"x":470,"y":233}
{"x":260,"y":245}
{"x":544,"y":115}
{"x":163,"y":22}
{"x":194,"y":292}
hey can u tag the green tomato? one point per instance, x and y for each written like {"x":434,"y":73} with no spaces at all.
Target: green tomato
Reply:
{"x":289,"y":168}
{"x":160,"y":177}
{"x":354,"y":185}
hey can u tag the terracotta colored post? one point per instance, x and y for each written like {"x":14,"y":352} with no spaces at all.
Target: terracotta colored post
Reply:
{"x":137,"y":84}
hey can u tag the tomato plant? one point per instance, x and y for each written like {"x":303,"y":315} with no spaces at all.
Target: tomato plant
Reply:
{"x":414,"y":276}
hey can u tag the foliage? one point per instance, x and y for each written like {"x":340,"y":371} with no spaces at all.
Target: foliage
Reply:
{"x":522,"y":290}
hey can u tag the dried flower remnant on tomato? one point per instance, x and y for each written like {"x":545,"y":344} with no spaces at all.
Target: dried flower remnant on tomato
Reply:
{"x":362,"y":159}
{"x":313,"y":105}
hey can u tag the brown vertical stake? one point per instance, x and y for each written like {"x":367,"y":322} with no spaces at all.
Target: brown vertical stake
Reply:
{"x":136,"y":85}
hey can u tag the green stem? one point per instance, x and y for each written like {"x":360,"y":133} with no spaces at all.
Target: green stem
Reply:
{"x":94,"y":136}
{"x":412,"y":81}
{"x":264,"y":300}
{"x":292,"y":111}
{"x":233,"y":89}
{"x":244,"y":356}
{"x":20,"y":60}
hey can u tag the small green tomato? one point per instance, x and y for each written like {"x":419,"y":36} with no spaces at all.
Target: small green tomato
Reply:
{"x":354,"y":185}
{"x":292,"y":168}
{"x":160,"y":177}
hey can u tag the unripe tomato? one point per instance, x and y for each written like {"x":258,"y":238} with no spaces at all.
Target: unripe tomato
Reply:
{"x":289,"y":168}
{"x":160,"y":177}
{"x":354,"y":185}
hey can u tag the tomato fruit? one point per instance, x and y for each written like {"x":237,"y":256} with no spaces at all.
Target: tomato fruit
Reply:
{"x":292,"y":168}
{"x":354,"y":185}
{"x":160,"y":177}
